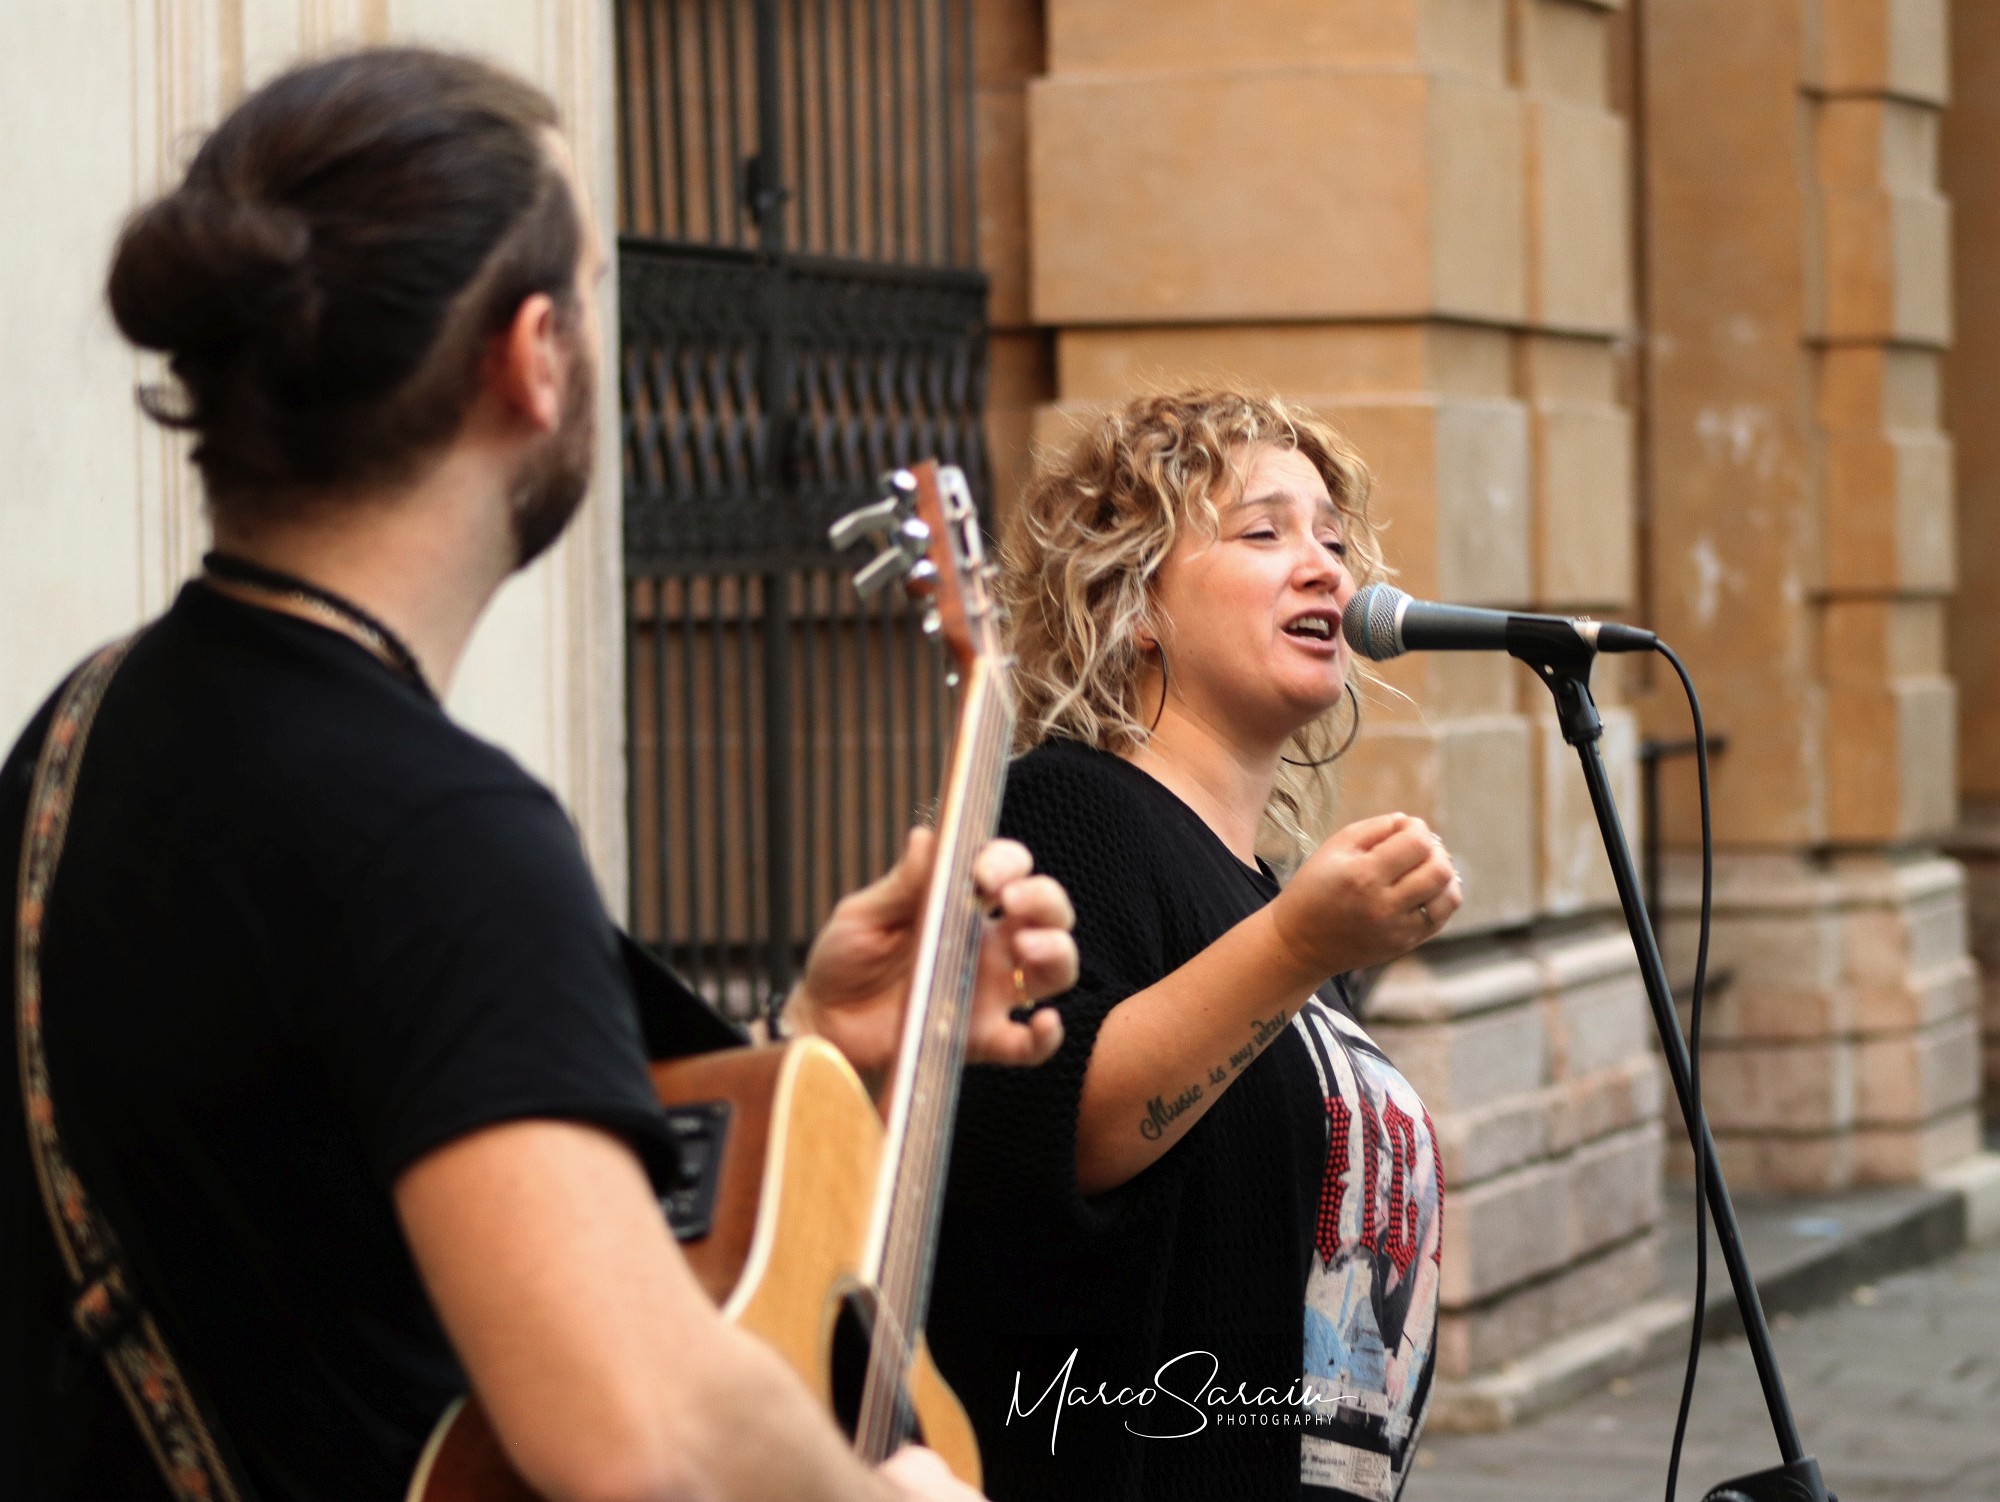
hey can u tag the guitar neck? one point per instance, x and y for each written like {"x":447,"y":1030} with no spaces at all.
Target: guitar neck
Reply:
{"x":910,"y":1193}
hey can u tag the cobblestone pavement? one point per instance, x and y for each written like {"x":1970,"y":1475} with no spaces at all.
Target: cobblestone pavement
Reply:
{"x":1896,"y":1390}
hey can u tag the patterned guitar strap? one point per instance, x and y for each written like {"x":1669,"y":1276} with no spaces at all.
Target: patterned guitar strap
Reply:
{"x":106,"y":1308}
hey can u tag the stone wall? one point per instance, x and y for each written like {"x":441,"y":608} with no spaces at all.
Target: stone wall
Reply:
{"x":1801,"y":553}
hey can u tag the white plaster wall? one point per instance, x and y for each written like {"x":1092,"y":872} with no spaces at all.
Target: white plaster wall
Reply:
{"x":102,"y":102}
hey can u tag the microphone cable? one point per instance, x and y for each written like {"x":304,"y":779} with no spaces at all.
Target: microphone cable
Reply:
{"x":1698,"y":1122}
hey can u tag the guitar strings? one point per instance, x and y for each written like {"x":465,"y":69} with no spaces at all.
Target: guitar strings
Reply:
{"x":903,"y":1283}
{"x":935,"y":1072}
{"x":890,"y":1345}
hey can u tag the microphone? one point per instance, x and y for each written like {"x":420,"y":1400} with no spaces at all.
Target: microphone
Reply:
{"x":1383,"y":622}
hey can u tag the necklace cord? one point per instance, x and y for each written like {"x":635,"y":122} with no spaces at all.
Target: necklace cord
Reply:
{"x":228,"y":568}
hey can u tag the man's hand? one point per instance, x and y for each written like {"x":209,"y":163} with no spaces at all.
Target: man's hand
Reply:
{"x":857,"y":976}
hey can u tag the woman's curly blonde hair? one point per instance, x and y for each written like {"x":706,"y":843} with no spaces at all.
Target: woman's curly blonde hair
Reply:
{"x":1086,"y":540}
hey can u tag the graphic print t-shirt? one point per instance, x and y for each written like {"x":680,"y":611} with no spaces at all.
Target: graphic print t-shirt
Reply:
{"x":1372,"y":1283}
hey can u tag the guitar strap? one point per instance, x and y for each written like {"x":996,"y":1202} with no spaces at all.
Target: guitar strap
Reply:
{"x":106,"y":1309}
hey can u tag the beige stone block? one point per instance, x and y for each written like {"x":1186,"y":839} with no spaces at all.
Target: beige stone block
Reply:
{"x":1020,"y":379}
{"x":1294,"y":193}
{"x":1927,"y":725}
{"x":1888,"y":510}
{"x":1920,"y":999}
{"x":1580,"y":370}
{"x":1779,"y":1087}
{"x":1920,"y":241}
{"x":1465,"y":1065}
{"x":1585,"y":537}
{"x":1485,"y":816}
{"x":1904,"y":1155}
{"x":1626,"y":1095}
{"x":1478,"y":210}
{"x":1478,"y":1144}
{"x":1427,"y":686}
{"x":1517,"y":1130}
{"x":1445,"y":984}
{"x":1100,"y":36}
{"x":1502,"y":1233}
{"x":1902,"y":915}
{"x":1564,"y":50}
{"x":1597,"y":1027}
{"x":1742,"y":1011}
{"x":1451,"y":491}
{"x":1575,"y":875}
{"x":1885,"y":261}
{"x":1907,"y":1079}
{"x":1302,"y":361}
{"x":1913,"y":389}
{"x":1890,"y":761}
{"x":1864,"y":390}
{"x":1002,"y":137}
{"x":1579,"y":216}
{"x":1882,"y":46}
{"x":1483,"y":1337}
{"x":1614,"y":1189}
{"x":1865,"y":642}
{"x":1870,"y":142}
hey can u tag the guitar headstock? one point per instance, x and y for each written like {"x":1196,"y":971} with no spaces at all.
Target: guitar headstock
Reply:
{"x":926,"y":533}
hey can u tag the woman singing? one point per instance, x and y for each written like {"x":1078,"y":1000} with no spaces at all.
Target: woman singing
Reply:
{"x":1196,"y":1255}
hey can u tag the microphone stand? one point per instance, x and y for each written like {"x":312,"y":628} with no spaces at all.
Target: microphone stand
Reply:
{"x":1563,"y":662}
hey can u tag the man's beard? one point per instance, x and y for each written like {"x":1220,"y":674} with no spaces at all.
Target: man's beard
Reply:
{"x":555,"y":478}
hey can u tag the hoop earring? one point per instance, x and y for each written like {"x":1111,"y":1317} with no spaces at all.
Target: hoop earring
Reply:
{"x":1352,"y":698}
{"x":1163,"y":689}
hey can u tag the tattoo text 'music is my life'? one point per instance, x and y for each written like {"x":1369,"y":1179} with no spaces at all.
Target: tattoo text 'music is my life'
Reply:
{"x":1162,"y":1113}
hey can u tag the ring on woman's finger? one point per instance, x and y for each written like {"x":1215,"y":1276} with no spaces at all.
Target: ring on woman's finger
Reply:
{"x":1021,"y":997}
{"x":1429,"y":921}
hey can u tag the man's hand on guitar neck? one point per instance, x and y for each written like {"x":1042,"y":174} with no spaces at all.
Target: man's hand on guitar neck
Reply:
{"x":857,"y":975}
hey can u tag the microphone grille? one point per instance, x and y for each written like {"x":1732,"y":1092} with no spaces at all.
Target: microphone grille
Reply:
{"x":1370,"y":622}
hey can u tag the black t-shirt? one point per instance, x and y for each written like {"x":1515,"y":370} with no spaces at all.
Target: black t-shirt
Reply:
{"x":305,"y":930}
{"x":1205,"y":1256}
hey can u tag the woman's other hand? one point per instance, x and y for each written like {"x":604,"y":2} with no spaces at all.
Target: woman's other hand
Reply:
{"x":857,"y":975}
{"x":1372,"y":893}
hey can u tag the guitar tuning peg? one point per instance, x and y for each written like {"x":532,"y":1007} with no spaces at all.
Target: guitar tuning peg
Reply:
{"x":887,"y":566}
{"x":951,"y":679}
{"x":915,"y":535}
{"x":879,"y":516}
{"x":923,"y":579}
{"x":933,"y":623}
{"x":899,"y":484}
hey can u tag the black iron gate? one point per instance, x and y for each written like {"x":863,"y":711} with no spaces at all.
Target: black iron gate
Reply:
{"x":799,"y":310}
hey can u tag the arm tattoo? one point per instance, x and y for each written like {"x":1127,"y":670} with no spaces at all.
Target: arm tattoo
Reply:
{"x":1161,"y":1112}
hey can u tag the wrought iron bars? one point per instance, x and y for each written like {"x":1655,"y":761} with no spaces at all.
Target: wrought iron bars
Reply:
{"x":861,"y":113}
{"x":798,"y":312}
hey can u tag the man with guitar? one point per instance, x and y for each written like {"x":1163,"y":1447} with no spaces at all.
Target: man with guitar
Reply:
{"x":330,"y":1063}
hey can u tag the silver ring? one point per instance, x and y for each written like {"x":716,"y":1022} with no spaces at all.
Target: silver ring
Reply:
{"x":1429,"y":921}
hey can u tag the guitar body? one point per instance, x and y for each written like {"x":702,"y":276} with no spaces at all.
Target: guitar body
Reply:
{"x":793,"y":1173}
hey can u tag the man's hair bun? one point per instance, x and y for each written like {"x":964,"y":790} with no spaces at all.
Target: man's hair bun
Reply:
{"x":199,"y":273}
{"x":323,"y":282}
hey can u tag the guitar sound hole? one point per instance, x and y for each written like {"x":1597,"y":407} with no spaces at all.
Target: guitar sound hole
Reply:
{"x":851,"y":1335}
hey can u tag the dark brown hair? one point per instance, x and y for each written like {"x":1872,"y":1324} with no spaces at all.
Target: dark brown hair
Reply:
{"x":325,"y":280}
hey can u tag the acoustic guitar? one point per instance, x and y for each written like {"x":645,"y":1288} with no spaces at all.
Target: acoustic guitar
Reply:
{"x":810,"y":1223}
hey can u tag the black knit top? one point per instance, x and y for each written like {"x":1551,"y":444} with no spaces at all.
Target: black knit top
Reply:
{"x":1181,"y":1292}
